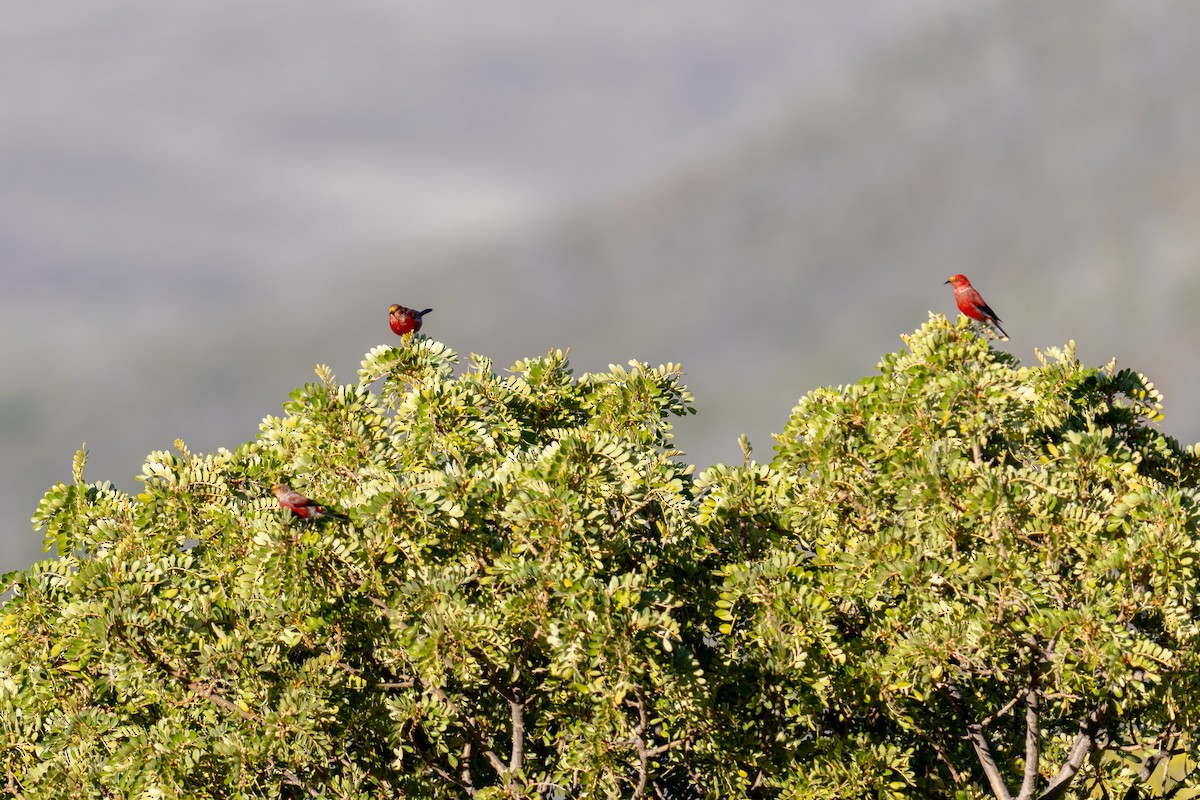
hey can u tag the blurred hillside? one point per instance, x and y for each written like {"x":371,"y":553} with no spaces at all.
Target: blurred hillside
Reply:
{"x":769,"y":199}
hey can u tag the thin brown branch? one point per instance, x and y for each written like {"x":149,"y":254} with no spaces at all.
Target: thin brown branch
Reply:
{"x":1004,"y":709}
{"x":622,"y":516}
{"x":449,"y":778}
{"x":942,"y":755}
{"x":516,"y":704}
{"x":473,"y":732}
{"x":637,"y":740}
{"x":928,"y":738}
{"x":292,"y":779}
{"x":198,"y":688}
{"x":10,"y":786}
{"x":399,"y":682}
{"x":668,"y":746}
{"x":142,"y":647}
{"x":429,"y":761}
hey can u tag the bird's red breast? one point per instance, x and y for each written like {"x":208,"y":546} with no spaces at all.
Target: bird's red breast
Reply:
{"x":405,"y":320}
{"x":295,"y":502}
{"x":970,"y":302}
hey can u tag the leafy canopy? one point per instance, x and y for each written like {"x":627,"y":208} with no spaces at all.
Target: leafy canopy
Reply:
{"x":959,"y":577}
{"x":967,"y":577}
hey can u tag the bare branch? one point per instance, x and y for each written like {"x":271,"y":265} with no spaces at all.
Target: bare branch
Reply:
{"x":983,"y":749}
{"x":516,"y":704}
{"x":639,"y":742}
{"x":516,"y":707}
{"x":468,"y":782}
{"x":620,"y":517}
{"x":667,"y":746}
{"x":1033,"y":735}
{"x":1089,"y":728}
{"x":448,"y":778}
{"x":942,"y":755}
{"x":196,"y":687}
{"x":435,"y":764}
{"x":292,"y":779}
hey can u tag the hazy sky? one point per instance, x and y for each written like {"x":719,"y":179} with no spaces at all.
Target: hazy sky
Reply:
{"x":175,"y":172}
{"x":200,"y":202}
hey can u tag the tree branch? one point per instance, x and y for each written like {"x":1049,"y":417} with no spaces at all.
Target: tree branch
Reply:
{"x":292,"y":779}
{"x":637,"y":739}
{"x":639,"y":742}
{"x":1089,"y":728}
{"x":468,"y":724}
{"x":10,"y":787}
{"x":468,"y":781}
{"x":1007,"y":707}
{"x":620,"y":517}
{"x":942,"y":755}
{"x":516,"y":707}
{"x":1033,"y":734}
{"x":464,"y":782}
{"x":431,"y":761}
{"x":983,"y":749}
{"x":207,"y":693}
{"x":143,"y":648}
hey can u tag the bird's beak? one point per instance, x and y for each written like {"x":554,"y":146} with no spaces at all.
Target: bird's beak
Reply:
{"x":945,"y":282}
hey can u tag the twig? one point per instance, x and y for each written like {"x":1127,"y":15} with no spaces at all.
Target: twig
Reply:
{"x":10,"y":787}
{"x":473,"y":733}
{"x":198,"y":688}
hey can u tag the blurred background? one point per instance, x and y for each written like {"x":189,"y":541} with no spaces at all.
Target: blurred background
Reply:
{"x":199,"y":203}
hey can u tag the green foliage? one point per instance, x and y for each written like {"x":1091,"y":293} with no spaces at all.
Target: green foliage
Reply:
{"x":510,"y":564}
{"x":948,"y":541}
{"x":532,"y":597}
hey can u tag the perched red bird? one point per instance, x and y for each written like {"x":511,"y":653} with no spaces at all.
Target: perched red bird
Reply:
{"x":971,"y":303}
{"x":300,"y":505}
{"x":405,"y":320}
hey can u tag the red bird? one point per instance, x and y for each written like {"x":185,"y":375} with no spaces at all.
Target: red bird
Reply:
{"x":300,"y":505}
{"x":971,"y":303}
{"x":405,"y":320}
